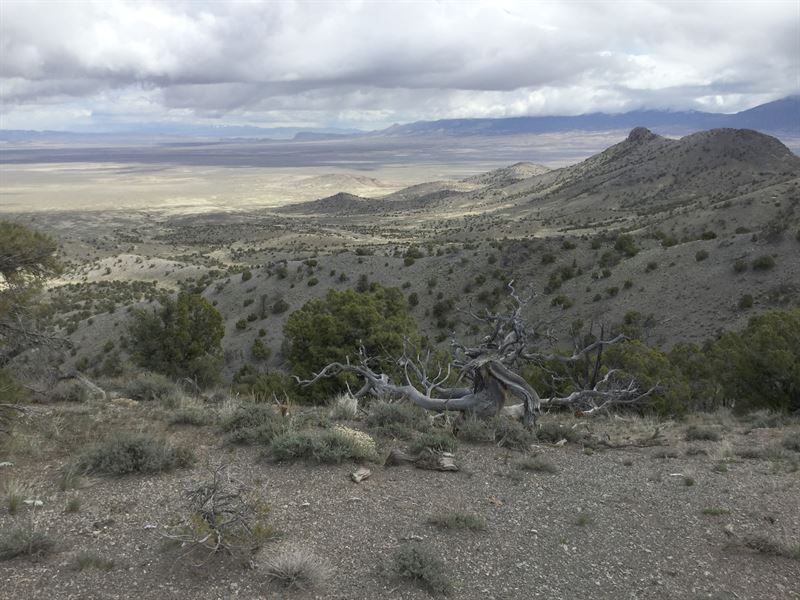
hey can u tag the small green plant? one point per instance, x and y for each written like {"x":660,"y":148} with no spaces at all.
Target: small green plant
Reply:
{"x":536,"y":464}
{"x":583,"y":519}
{"x":73,"y":504}
{"x":457,"y":520}
{"x":740,"y":266}
{"x":88,"y":560}
{"x":714,"y":511}
{"x":133,"y":453}
{"x":297,"y":570}
{"x":422,"y":566}
{"x":688,"y":481}
{"x":701,"y":255}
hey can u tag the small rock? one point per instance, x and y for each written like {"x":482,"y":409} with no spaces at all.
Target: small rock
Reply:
{"x":6,"y":464}
{"x":360,"y":474}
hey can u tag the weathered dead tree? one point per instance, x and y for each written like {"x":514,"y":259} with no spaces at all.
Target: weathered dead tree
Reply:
{"x":489,"y":370}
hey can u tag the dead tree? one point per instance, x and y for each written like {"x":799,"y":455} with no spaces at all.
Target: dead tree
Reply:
{"x":489,"y":369}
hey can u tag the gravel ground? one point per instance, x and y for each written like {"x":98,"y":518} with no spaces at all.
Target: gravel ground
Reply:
{"x":608,"y":524}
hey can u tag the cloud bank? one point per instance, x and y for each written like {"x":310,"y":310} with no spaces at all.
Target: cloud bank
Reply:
{"x":95,"y":65}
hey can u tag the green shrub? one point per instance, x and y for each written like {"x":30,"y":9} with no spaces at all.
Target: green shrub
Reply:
{"x":260,"y":351}
{"x":133,"y":453}
{"x":183,"y":339}
{"x":457,"y":520}
{"x":24,"y":541}
{"x":150,"y":386}
{"x":253,"y":423}
{"x":759,"y":368}
{"x":337,"y":326}
{"x":561,"y":300}
{"x":401,"y":419}
{"x":247,"y":275}
{"x":329,"y":446}
{"x":763,"y":263}
{"x":69,"y":391}
{"x":241,"y":324}
{"x":421,"y":565}
{"x":651,"y":368}
{"x":701,"y":255}
{"x":740,"y":266}
{"x":745,"y":302}
{"x":279,"y":306}
{"x":626,"y":245}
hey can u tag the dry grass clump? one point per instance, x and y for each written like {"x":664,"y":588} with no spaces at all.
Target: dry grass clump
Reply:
{"x":457,"y":520}
{"x":439,"y":441}
{"x":223,"y":517}
{"x":696,"y":433}
{"x":791,"y":441}
{"x":502,"y":431}
{"x":24,"y":541}
{"x":327,"y":447}
{"x":344,"y":407}
{"x":297,"y":570}
{"x":423,"y":567}
{"x":151,"y":386}
{"x":197,"y":416}
{"x":535,"y":463}
{"x":15,"y":495}
{"x":89,"y":560}
{"x":764,"y":545}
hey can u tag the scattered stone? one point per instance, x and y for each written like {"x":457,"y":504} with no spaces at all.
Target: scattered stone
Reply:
{"x":360,"y":474}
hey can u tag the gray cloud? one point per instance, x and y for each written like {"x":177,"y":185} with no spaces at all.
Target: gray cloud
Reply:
{"x":65,"y":64}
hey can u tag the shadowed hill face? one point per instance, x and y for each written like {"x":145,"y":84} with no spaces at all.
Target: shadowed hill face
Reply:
{"x":647,"y":169}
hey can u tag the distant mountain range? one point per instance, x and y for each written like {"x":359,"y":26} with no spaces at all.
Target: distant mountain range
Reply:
{"x":778,"y":117}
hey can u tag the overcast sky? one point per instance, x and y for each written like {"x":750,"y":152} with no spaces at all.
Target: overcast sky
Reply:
{"x":98,"y":65}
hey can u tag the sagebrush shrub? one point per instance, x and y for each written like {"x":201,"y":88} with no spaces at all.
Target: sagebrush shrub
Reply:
{"x":133,"y":453}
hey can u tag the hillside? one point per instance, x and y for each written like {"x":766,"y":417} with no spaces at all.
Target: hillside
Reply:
{"x":701,"y":210}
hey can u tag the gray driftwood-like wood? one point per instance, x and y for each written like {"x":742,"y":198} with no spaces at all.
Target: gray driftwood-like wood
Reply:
{"x":489,"y":368}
